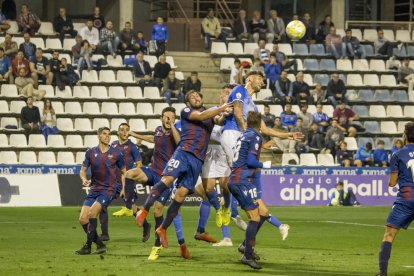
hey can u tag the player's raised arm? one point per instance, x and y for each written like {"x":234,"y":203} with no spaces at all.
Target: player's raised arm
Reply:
{"x":238,"y":115}
{"x":274,"y":133}
{"x":147,"y":138}
{"x":209,"y":113}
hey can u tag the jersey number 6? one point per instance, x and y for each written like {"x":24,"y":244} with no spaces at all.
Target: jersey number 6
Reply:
{"x":236,"y":151}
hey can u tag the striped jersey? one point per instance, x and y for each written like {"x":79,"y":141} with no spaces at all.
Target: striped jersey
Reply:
{"x":130,"y":152}
{"x":402,"y":162}
{"x":164,"y":147}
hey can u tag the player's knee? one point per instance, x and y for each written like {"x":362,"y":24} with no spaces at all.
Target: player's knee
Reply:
{"x":254,"y":216}
{"x":200,"y":191}
{"x":83,"y":220}
{"x":167,"y":180}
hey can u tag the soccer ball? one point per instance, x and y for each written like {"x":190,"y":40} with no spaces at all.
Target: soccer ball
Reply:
{"x":295,"y":30}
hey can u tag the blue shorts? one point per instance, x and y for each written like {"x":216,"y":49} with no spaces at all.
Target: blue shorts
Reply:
{"x":185,"y":168}
{"x":154,"y":178}
{"x":246,"y":195}
{"x":401,"y":215}
{"x":103,"y":198}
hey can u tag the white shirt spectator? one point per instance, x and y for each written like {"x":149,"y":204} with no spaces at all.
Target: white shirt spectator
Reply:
{"x":92,"y":36}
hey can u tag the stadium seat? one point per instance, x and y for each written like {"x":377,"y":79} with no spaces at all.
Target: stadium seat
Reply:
{"x":133,"y":92}
{"x":372,"y":127}
{"x":364,"y":140}
{"x":300,"y":49}
{"x":394,"y":111}
{"x":109,"y":108}
{"x":307,"y":159}
{"x":361,"y":110}
{"x":377,"y":111}
{"x":145,"y":108}
{"x":80,"y":157}
{"x":115,"y":61}
{"x":351,"y":143}
{"x":260,"y":108}
{"x":39,"y":42}
{"x":399,"y":52}
{"x":83,"y":124}
{"x":409,"y":111}
{"x":178,"y":107}
{"x":179,"y":75}
{"x":357,"y":33}
{"x":325,"y":159}
{"x":81,"y":92}
{"x":401,"y":126}
{"x":387,"y":142}
{"x":58,"y":107}
{"x":127,"y":109}
{"x":55,"y":141}
{"x":4,"y":141}
{"x":151,"y":92}
{"x":310,"y":64}
{"x":235,"y":48}
{"x":377,"y":65}
{"x":389,"y":34}
{"x":124,"y":76}
{"x":97,"y":57}
{"x":410,"y":50}
{"x":14,"y":28}
{"x":115,"y":122}
{"x":308,"y":79}
{"x":53,"y":43}
{"x":9,"y":90}
{"x":18,"y":140}
{"x":27,"y":157}
{"x":369,"y":50}
{"x":67,"y":93}
{"x":9,"y":122}
{"x":370,"y":34}
{"x":226,"y":63}
{"x":16,"y":106}
{"x":47,"y":158}
{"x":317,"y":49}
{"x":100,"y":122}
{"x":327,"y":64}
{"x":170,"y":61}
{"x":249,"y":48}
{"x":218,"y":48}
{"x":152,"y":124}
{"x":285,"y":48}
{"x":137,"y":125}
{"x":99,"y":92}
{"x":286,"y":157}
{"x":8,"y":157}
{"x":371,"y":80}
{"x":116,"y":92}
{"x":46,"y":28}
{"x":64,"y":124}
{"x":322,"y":78}
{"x":388,"y":128}
{"x":276,"y":109}
{"x":90,"y":141}
{"x":65,"y":158}
{"x":354,"y":79}
{"x":269,"y":46}
{"x":382,"y":95}
{"x":328,"y":109}
{"x":68,"y":43}
{"x":74,"y":141}
{"x":399,"y":96}
{"x":263,"y":94}
{"x":73,"y":108}
{"x":90,"y":76}
{"x":300,"y":65}
{"x":388,"y":80}
{"x":343,"y":65}
{"x":152,"y":60}
{"x":37,"y":141}
{"x":360,"y":65}
{"x":158,"y":107}
{"x":106,"y":76}
{"x":91,"y":108}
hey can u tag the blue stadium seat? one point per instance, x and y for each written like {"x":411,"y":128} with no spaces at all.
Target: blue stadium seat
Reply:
{"x":300,"y":49}
{"x":399,"y":96}
{"x":343,"y":78}
{"x":372,"y":127}
{"x":363,"y":140}
{"x":361,"y":110}
{"x":410,"y":50}
{"x":369,"y":50}
{"x":327,"y":64}
{"x":310,"y":64}
{"x":317,"y":49}
{"x":387,"y":142}
{"x":366,"y":95}
{"x":382,"y":95}
{"x":322,"y":78}
{"x":400,"y":52}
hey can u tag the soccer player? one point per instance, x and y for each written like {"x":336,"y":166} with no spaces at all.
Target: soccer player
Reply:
{"x":187,"y":160}
{"x":241,"y":183}
{"x":402,"y":213}
{"x":104,"y":162}
{"x":165,"y":139}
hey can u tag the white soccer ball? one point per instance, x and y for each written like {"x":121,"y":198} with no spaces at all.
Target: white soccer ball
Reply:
{"x":295,"y":30}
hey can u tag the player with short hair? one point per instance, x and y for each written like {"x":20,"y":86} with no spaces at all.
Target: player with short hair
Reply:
{"x":165,"y":140}
{"x":185,"y":164}
{"x":402,"y":213}
{"x":104,"y":161}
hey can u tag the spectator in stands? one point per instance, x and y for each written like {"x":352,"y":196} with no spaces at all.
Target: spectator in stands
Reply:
{"x":90,"y":33}
{"x":6,"y":72}
{"x":211,"y":29}
{"x":316,"y":138}
{"x":334,"y":137}
{"x":301,"y":90}
{"x":272,"y":71}
{"x":344,"y":157}
{"x":161,"y":70}
{"x":143,"y":44}
{"x":192,"y":83}
{"x":380,"y":155}
{"x":309,"y":36}
{"x":268,"y":117}
{"x":364,"y":156}
{"x":323,"y":29}
{"x":241,"y":28}
{"x":63,"y":25}
{"x":85,"y":57}
{"x":257,"y":66}
{"x":351,"y":46}
{"x":283,"y":89}
{"x":341,"y":198}
{"x":30,"y":117}
{"x":108,"y":40}
{"x":383,"y":46}
{"x":27,"y":47}
{"x":398,"y":144}
{"x":276,"y":26}
{"x":142,"y":71}
{"x":237,"y":73}
{"x":98,"y":20}
{"x":285,"y":145}
{"x":48,"y":120}
{"x":24,"y":85}
{"x":320,"y":118}
{"x":344,"y":116}
{"x":288,"y":118}
{"x":68,"y":74}
{"x":306,"y":116}
{"x":160,"y":35}
{"x":258,"y":28}
{"x":301,"y":144}
{"x":8,"y":7}
{"x":403,"y":71}
{"x":9,"y":46}
{"x":19,"y":62}
{"x":76,"y":49}
{"x":4,"y":23}
{"x":262,"y":53}
{"x":55,"y":69}
{"x":128,"y":39}
{"x":286,"y":63}
{"x":333,"y":43}
{"x":172,"y":88}
{"x":336,"y":90}
{"x":319,"y":94}
{"x":40,"y":68}
{"x":28,"y":21}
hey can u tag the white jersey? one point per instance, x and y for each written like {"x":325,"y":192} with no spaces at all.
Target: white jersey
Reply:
{"x":216,"y":133}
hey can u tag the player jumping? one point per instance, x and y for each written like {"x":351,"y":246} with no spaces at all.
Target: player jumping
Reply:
{"x":104,"y":162}
{"x":402,"y":213}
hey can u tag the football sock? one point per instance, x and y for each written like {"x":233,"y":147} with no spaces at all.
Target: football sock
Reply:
{"x":225,"y":230}
{"x":85,"y":227}
{"x":178,"y":225}
{"x":227,"y":198}
{"x":259,"y":225}
{"x":171,"y":213}
{"x":213,"y":199}
{"x":234,"y":211}
{"x":91,"y":235}
{"x":204,"y":213}
{"x":158,"y":222}
{"x":103,"y":220}
{"x":250,"y":238}
{"x":384,"y":256}
{"x":145,"y":224}
{"x":274,"y":221}
{"x":156,"y":190}
{"x":129,"y":195}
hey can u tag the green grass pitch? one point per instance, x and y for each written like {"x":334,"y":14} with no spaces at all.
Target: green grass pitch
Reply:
{"x":322,"y":241}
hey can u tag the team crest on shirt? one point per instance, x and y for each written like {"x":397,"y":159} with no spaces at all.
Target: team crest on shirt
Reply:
{"x":186,"y":109}
{"x":96,"y":154}
{"x":110,"y":155}
{"x":238,"y":95}
{"x":170,"y":169}
{"x":125,"y":147}
{"x":256,"y":146}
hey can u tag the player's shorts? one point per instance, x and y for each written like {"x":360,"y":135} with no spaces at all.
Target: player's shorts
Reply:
{"x":401,"y":215}
{"x":257,"y":182}
{"x":246,"y":195}
{"x":185,"y":168}
{"x":228,"y":141}
{"x":102,"y":197}
{"x":154,"y":178}
{"x":215,"y":164}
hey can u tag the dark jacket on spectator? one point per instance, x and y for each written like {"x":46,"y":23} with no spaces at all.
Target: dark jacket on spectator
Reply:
{"x":127,"y":37}
{"x":31,"y":45}
{"x":138,"y":72}
{"x":30,"y":115}
{"x":334,"y":88}
{"x":189,"y":85}
{"x":161,"y":70}
{"x":238,"y":28}
{"x":59,"y":23}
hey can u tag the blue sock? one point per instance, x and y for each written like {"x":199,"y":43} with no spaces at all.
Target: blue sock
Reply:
{"x":103,"y":220}
{"x":274,"y":221}
{"x":158,"y":222}
{"x":250,"y":239}
{"x":225,"y":230}
{"x":214,"y":199}
{"x":129,"y":194}
{"x":227,"y":198}
{"x":171,"y":213}
{"x":234,"y":211}
{"x":384,"y":256}
{"x":203,"y":216}
{"x":156,"y":191}
{"x":92,"y":236}
{"x":178,"y":225}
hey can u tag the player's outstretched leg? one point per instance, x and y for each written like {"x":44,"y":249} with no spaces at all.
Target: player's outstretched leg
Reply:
{"x":235,"y":217}
{"x":103,"y":220}
{"x":385,"y":251}
{"x":204,"y":213}
{"x":129,"y":200}
{"x":158,"y":217}
{"x":253,"y":227}
{"x":178,"y":225}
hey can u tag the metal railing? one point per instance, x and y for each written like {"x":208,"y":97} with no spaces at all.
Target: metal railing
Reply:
{"x":393,"y":25}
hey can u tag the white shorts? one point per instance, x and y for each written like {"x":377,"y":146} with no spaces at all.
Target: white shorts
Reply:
{"x":215,"y":164}
{"x":228,"y":141}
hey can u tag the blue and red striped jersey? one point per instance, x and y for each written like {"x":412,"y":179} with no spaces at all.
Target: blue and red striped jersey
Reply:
{"x":402,"y":162}
{"x":104,"y":167}
{"x":164,"y":147}
{"x":131,"y":155}
{"x":195,"y":135}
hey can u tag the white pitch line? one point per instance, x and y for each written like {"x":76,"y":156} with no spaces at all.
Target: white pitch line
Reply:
{"x":344,"y":222}
{"x":408,"y":266}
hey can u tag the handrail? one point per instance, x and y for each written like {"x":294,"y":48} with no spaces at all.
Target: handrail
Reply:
{"x":182,"y":11}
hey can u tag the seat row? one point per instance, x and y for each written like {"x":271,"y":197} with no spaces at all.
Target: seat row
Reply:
{"x":43,"y":158}
{"x":380,"y":111}
{"x":382,"y":95}
{"x":309,"y":159}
